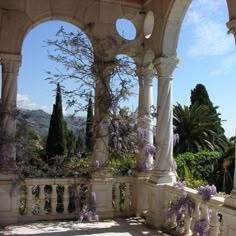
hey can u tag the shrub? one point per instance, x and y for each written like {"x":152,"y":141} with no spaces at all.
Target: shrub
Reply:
{"x":203,"y":165}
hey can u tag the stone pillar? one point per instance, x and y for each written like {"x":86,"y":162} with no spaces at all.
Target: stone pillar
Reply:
{"x":145,"y":120}
{"x":10,"y":68}
{"x":8,"y":192}
{"x":232,"y":27}
{"x":140,"y":200}
{"x":101,"y":120}
{"x":163,"y":166}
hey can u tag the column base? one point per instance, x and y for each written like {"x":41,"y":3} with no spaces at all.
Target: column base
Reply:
{"x":162,"y":177}
{"x":8,"y":198}
{"x":102,"y":186}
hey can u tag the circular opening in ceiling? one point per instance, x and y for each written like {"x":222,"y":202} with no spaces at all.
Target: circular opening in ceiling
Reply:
{"x":126,"y":29}
{"x":148,"y":25}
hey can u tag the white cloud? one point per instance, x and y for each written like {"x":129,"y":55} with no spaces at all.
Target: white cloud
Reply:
{"x":210,"y":39}
{"x":206,"y":20}
{"x":226,"y":66}
{"x":24,"y":101}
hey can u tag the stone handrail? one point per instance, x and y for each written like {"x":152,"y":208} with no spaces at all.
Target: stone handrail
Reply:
{"x":34,"y":203}
{"x":204,"y":210}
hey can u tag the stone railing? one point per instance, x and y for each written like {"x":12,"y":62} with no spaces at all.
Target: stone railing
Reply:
{"x":211,"y":211}
{"x":122,"y":197}
{"x":49,"y":199}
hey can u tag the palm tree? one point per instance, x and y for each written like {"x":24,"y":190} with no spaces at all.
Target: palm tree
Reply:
{"x":198,"y":129}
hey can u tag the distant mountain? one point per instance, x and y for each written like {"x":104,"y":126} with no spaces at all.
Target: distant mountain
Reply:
{"x":39,"y":121}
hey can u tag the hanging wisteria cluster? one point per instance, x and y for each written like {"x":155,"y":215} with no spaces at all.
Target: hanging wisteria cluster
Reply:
{"x":180,"y":206}
{"x":184,"y":204}
{"x":206,"y":192}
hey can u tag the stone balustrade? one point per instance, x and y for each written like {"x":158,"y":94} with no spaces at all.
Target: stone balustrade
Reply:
{"x":50,"y":199}
{"x":211,"y":210}
{"x":54,"y":198}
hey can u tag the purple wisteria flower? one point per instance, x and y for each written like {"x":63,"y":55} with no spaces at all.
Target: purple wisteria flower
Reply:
{"x":180,"y":185}
{"x":142,"y":166}
{"x":180,"y":205}
{"x":142,"y":134}
{"x":149,"y":149}
{"x":201,"y":227}
{"x":207,"y":191}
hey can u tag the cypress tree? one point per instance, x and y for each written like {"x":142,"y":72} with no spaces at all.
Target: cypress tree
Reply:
{"x":89,"y":127}
{"x":80,"y":143}
{"x":56,"y":140}
{"x":200,"y":96}
{"x":71,"y":142}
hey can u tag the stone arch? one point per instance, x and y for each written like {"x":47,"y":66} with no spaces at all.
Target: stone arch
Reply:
{"x":174,"y":21}
{"x":172,"y":27}
{"x":27,"y":28}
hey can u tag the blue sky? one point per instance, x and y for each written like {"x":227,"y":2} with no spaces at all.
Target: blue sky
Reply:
{"x":206,"y":51}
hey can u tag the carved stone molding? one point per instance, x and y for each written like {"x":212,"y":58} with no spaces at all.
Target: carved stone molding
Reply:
{"x":165,"y":66}
{"x":145,"y":75}
{"x":232,"y":27}
{"x":11,"y":62}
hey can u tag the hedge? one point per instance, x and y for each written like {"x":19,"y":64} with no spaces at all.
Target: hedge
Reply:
{"x":203,"y":165}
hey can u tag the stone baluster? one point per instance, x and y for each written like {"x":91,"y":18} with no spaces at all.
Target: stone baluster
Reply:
{"x":41,"y":199}
{"x":127,"y":197}
{"x":29,"y":200}
{"x":187,"y":223}
{"x":54,"y":199}
{"x":117,"y":197}
{"x":222,"y":227}
{"x":163,"y":166}
{"x":204,"y":212}
{"x":214,"y":223}
{"x":196,"y":215}
{"x":66,"y":199}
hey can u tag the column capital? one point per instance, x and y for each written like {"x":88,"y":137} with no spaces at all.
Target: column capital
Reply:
{"x":145,"y":74}
{"x":232,"y":27}
{"x":165,"y":66}
{"x":11,"y":62}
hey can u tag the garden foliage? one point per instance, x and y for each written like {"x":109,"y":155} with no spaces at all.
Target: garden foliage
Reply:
{"x":203,"y":166}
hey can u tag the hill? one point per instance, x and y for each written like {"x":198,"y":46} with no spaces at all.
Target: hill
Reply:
{"x":39,"y":120}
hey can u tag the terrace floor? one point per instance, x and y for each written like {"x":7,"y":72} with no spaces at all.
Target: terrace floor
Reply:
{"x":117,"y":227}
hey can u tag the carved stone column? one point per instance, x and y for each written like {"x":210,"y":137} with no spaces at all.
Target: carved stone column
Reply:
{"x":10,"y":68}
{"x":163,"y":166}
{"x":101,"y":120}
{"x":145,"y":121}
{"x":232,"y":27}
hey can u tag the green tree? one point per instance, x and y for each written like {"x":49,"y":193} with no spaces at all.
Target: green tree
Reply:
{"x":71,"y":142}
{"x":200,"y":96}
{"x":56,"y":140}
{"x":80,"y":143}
{"x":89,"y":127}
{"x":196,"y":127}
